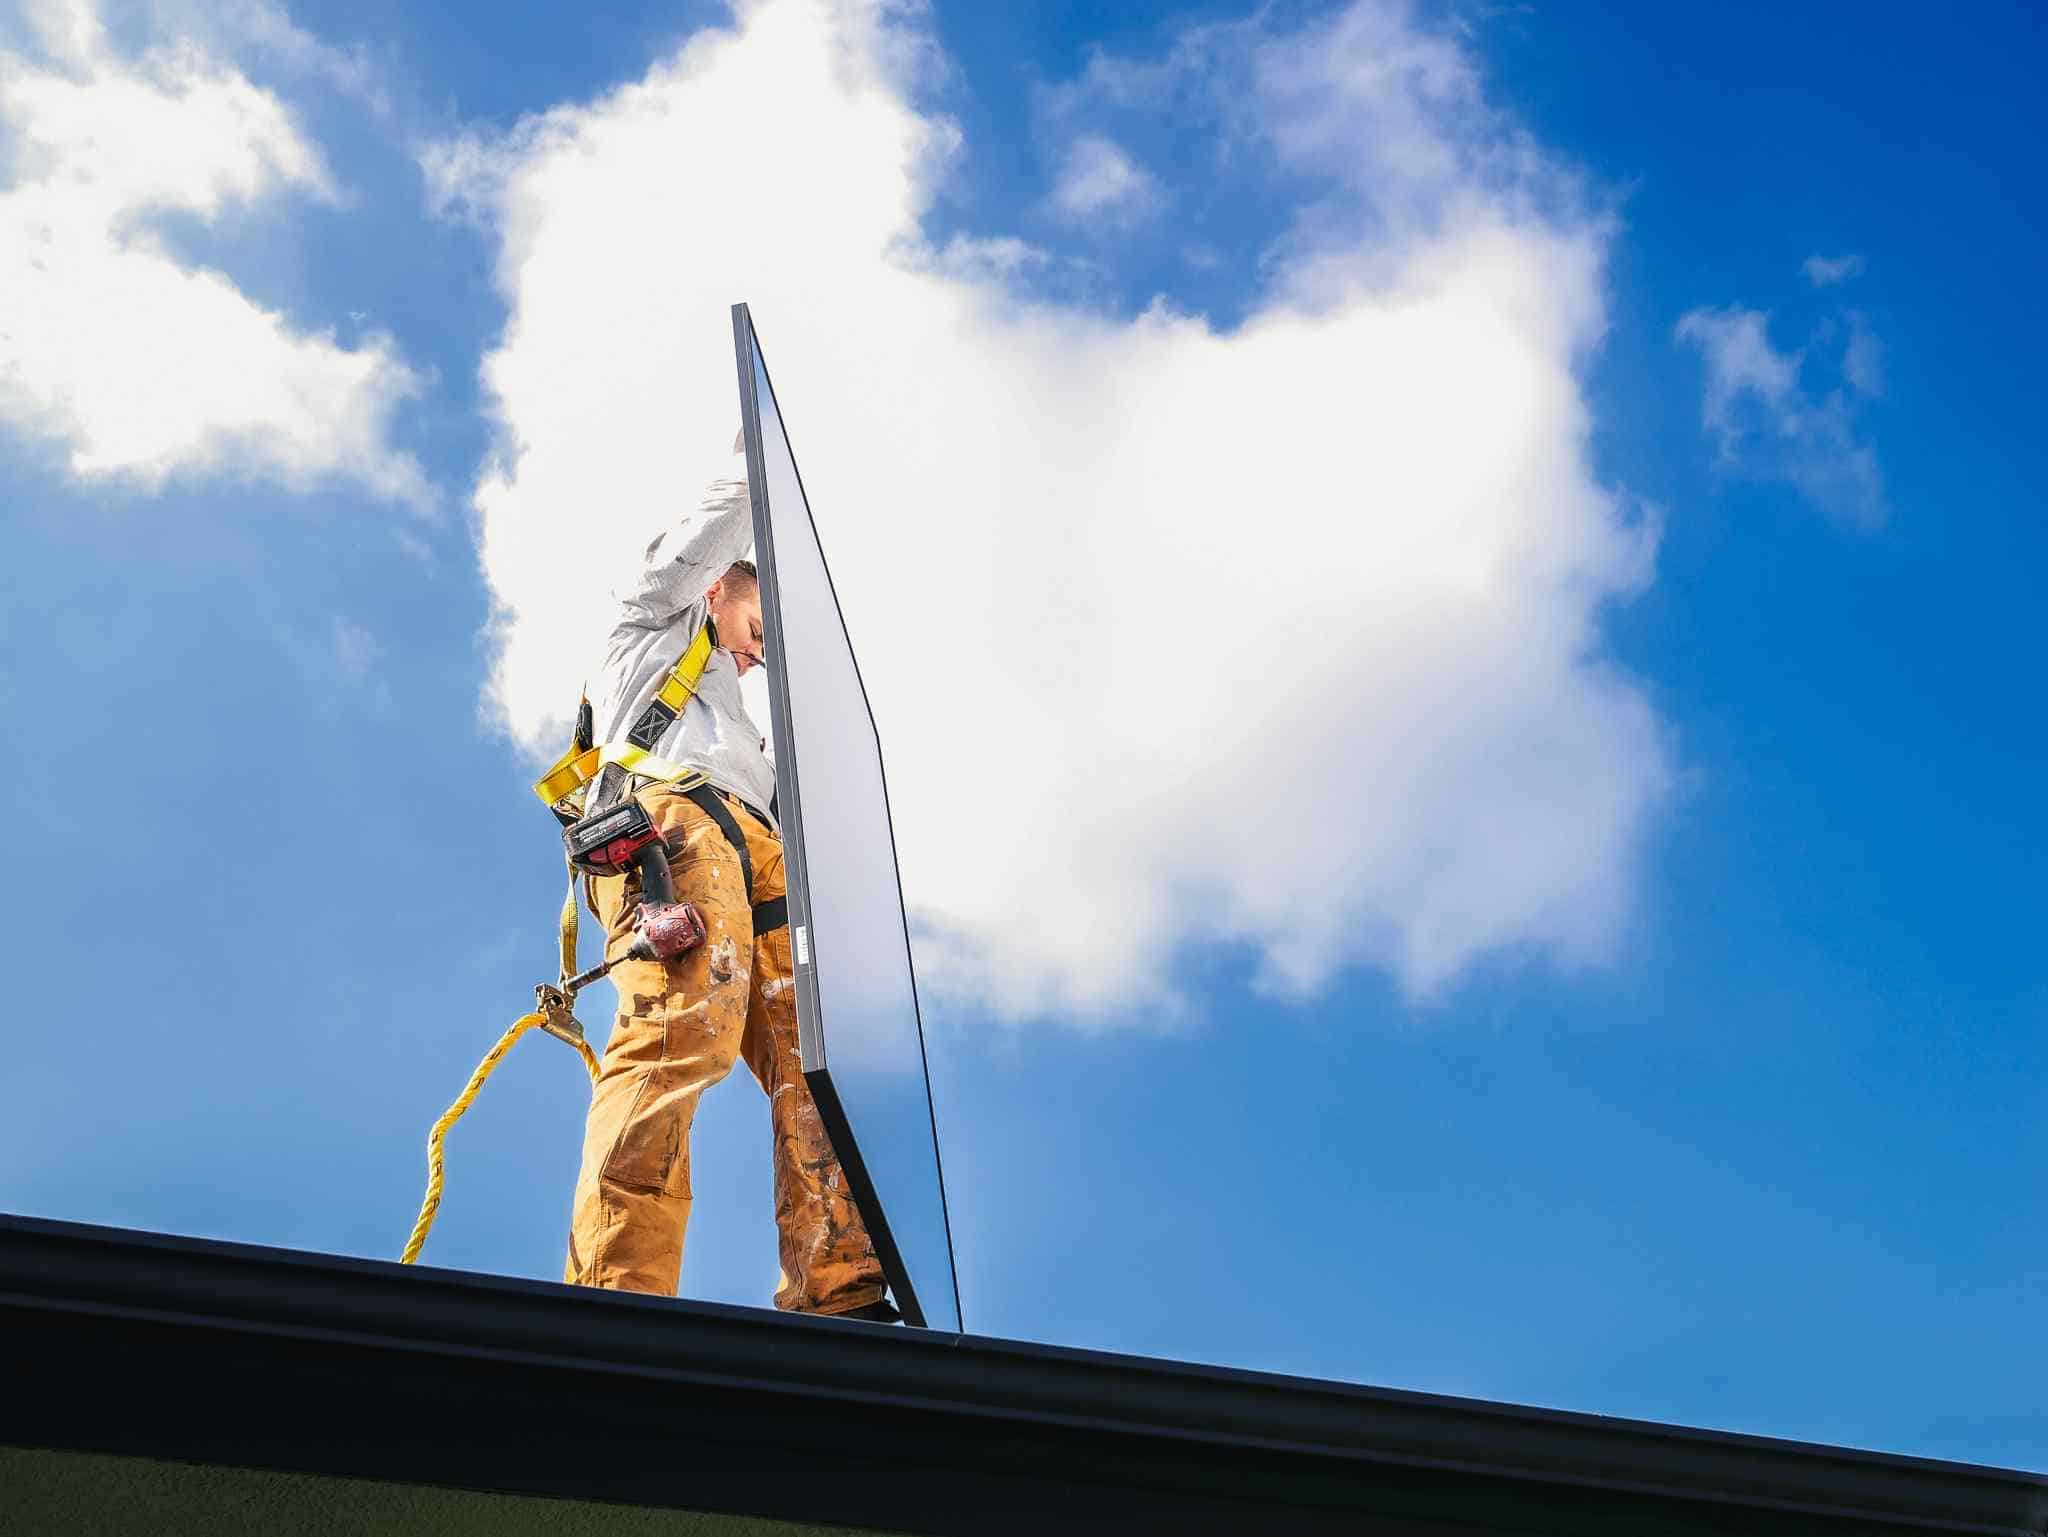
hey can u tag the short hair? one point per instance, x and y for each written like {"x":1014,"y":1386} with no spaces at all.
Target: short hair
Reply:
{"x":741,"y":578}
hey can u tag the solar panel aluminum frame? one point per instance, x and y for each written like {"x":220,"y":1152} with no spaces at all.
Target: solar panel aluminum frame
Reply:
{"x":789,"y":810}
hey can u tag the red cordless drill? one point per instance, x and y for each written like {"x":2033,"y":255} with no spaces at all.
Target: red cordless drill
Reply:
{"x":625,"y":838}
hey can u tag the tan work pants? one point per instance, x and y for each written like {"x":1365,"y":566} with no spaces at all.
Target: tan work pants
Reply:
{"x":682,"y":1023}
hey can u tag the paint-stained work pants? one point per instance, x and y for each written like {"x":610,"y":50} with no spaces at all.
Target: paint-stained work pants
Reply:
{"x":682,"y":1023}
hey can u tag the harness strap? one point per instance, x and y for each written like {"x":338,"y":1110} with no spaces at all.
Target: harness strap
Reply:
{"x":575,"y":770}
{"x":769,"y":915}
{"x":675,"y":692}
{"x":566,"y":928}
{"x":709,"y":802}
{"x":635,"y":751}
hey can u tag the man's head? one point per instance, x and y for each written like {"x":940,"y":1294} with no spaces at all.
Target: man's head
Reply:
{"x":735,"y":604}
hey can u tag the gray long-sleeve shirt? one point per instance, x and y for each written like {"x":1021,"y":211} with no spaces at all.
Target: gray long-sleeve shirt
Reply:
{"x":658,"y":618}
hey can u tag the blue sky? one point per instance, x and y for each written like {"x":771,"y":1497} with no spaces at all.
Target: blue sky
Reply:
{"x":1738,"y":1126}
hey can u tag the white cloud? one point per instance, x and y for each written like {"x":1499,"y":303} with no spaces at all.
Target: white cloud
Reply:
{"x":1740,"y":362}
{"x":141,"y":366}
{"x":1099,"y":181}
{"x":1368,"y":97}
{"x":998,"y":260}
{"x":1284,"y":637}
{"x":342,"y":665}
{"x":268,"y":30}
{"x":1863,"y":358}
{"x":1765,"y":422}
{"x":1828,"y":271}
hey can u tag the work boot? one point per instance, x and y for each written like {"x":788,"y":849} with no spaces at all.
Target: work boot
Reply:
{"x":880,"y":1311}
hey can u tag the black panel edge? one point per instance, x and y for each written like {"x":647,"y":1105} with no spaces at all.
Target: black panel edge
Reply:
{"x":839,"y":1129}
{"x":55,"y":1275}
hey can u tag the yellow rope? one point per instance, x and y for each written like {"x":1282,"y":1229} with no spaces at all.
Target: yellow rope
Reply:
{"x":449,"y":1117}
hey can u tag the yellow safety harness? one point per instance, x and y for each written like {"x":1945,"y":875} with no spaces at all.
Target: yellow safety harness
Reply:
{"x":561,"y":788}
{"x":633,"y":752}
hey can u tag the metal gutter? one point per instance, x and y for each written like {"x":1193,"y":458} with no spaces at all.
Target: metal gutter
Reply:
{"x":215,"y":1352}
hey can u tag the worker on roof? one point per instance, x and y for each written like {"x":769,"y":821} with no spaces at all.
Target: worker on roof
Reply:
{"x":683,"y":1022}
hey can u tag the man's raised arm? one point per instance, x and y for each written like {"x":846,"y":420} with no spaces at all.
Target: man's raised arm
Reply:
{"x":682,"y":563}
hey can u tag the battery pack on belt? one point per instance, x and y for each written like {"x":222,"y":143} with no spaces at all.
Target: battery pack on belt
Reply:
{"x":605,"y":844}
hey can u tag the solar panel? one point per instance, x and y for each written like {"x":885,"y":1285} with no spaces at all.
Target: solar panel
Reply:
{"x":857,"y":1015}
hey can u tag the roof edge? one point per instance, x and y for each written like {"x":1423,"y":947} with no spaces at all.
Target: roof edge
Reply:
{"x":52,"y":1271}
